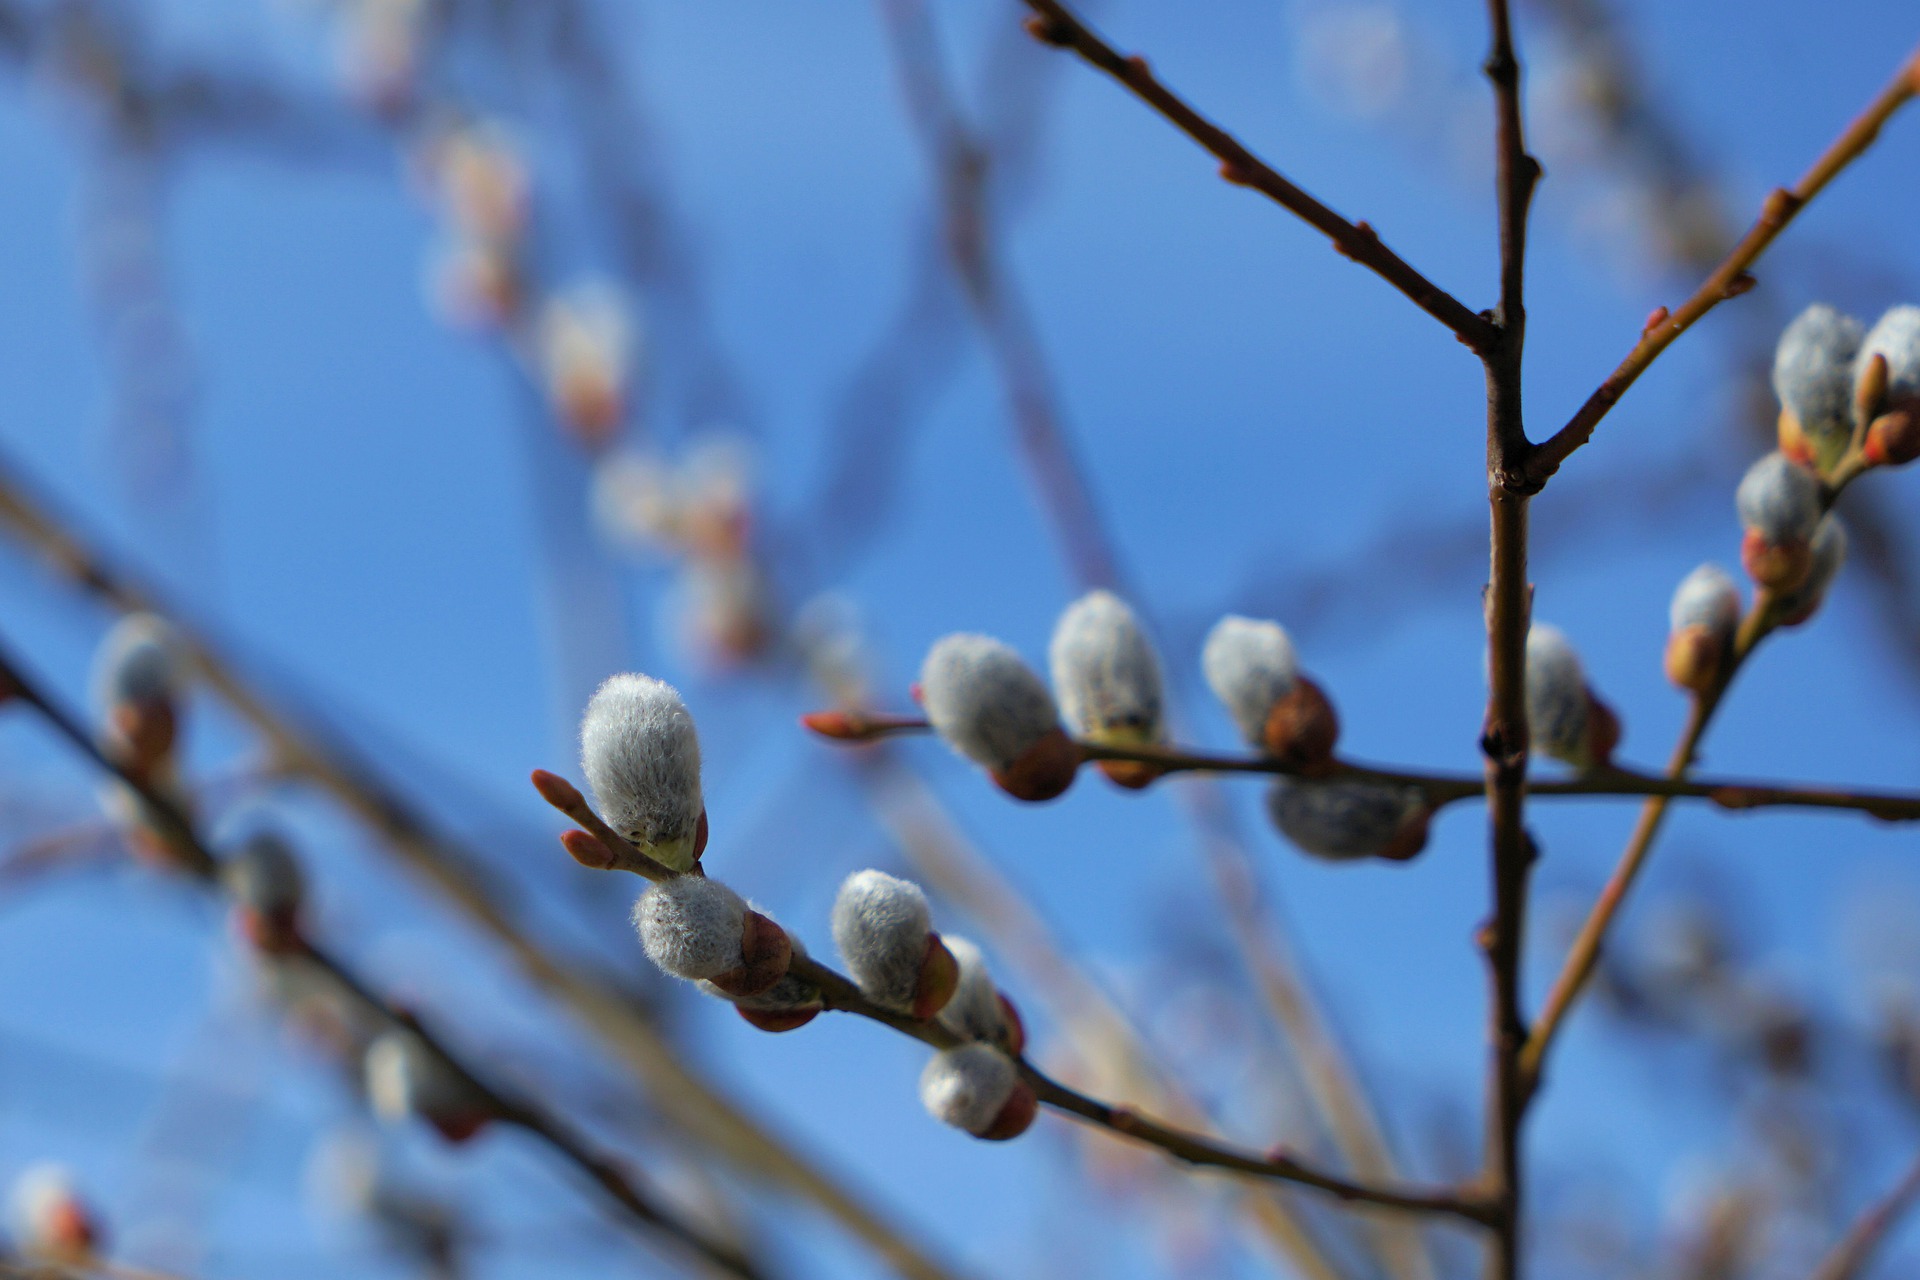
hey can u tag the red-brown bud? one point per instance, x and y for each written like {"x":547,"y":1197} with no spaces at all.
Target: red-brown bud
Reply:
{"x":1134,"y":775}
{"x":1603,"y":732}
{"x":1894,"y":438}
{"x":939,"y":979}
{"x":1777,"y":566}
{"x":1016,"y":1114}
{"x":778,"y":1020}
{"x":1303,"y":728}
{"x":765,"y":954}
{"x":1694,"y":657}
{"x":1016,"y":1030}
{"x":1045,"y":771}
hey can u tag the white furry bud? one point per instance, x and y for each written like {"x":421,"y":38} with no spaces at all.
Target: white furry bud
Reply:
{"x":1106,"y":672}
{"x":1708,"y":597}
{"x":1346,"y":818}
{"x":141,"y":662}
{"x":1558,"y":707}
{"x":405,"y":1077}
{"x":984,"y":701}
{"x":975,"y":1011}
{"x":641,"y":755}
{"x":1779,"y":500}
{"x":967,"y":1087}
{"x":1249,"y":665}
{"x":1813,"y":374}
{"x":691,"y":926}
{"x":1896,"y":335}
{"x":1829,"y":553}
{"x":264,"y":876}
{"x":880,"y":926}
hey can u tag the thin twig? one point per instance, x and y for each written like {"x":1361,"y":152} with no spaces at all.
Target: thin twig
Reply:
{"x":840,"y":993}
{"x":1057,"y":25}
{"x":1730,"y":278}
{"x":194,"y":858}
{"x":1856,"y":1248}
{"x":1610,"y":781}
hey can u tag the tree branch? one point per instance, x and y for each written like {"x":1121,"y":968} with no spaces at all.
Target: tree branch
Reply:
{"x":1730,"y":278}
{"x":1856,"y":1248}
{"x":1056,"y":24}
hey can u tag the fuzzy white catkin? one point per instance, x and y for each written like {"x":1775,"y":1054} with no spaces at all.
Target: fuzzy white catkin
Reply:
{"x":264,"y":875}
{"x":1813,"y":370}
{"x":406,"y":1078}
{"x":880,"y":927}
{"x":966,"y":1087}
{"x":984,"y":701}
{"x":691,"y":926}
{"x":1249,"y":665}
{"x":641,"y":754}
{"x":1829,"y":553}
{"x":140,"y":661}
{"x":1105,"y":671}
{"x":1343,"y":817}
{"x":1557,"y":703}
{"x":1896,"y":335}
{"x":1708,"y":597}
{"x":1778,"y":499}
{"x":974,"y":1010}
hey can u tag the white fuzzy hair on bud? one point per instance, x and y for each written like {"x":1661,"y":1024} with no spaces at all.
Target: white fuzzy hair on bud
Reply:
{"x":1896,"y":335}
{"x":141,"y":662}
{"x":974,"y":1011}
{"x":641,"y":754}
{"x":1557,"y":702}
{"x":880,"y":927}
{"x":691,"y":926}
{"x":1105,"y":671}
{"x":1813,"y":371}
{"x":1778,"y":499}
{"x":1249,"y":665}
{"x":984,"y":701}
{"x":405,"y":1077}
{"x":966,"y":1087}
{"x":1343,"y":817}
{"x":1829,"y":553}
{"x":263,"y":875}
{"x":1708,"y":597}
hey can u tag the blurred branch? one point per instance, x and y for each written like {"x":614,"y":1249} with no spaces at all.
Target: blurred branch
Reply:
{"x":194,"y":858}
{"x":1730,"y":279}
{"x":696,"y":1106}
{"x":1057,"y":25}
{"x":1856,"y":1248}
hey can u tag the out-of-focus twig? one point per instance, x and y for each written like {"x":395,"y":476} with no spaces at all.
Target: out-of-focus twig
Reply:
{"x":1856,"y":1248}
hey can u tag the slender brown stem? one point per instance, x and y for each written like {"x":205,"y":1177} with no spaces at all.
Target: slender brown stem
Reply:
{"x":1057,"y":25}
{"x":1730,"y":278}
{"x":1612,"y":781}
{"x":1854,"y":1250}
{"x":193,"y":857}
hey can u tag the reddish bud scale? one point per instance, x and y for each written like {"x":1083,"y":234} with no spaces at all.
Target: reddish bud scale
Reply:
{"x":70,"y":1231}
{"x":1603,"y":732}
{"x":1303,"y":728}
{"x":1694,"y":657}
{"x":1777,"y":566}
{"x":1045,"y":771}
{"x":270,"y":932}
{"x":1134,"y":775}
{"x":939,"y":979}
{"x":1894,"y":438}
{"x":1411,"y":840}
{"x":1016,"y":1114}
{"x":765,"y":955}
{"x":1016,"y":1029}
{"x":834,"y":724}
{"x":778,"y":1020}
{"x":459,"y":1127}
{"x":144,"y":734}
{"x":1793,"y":440}
{"x":587,"y":850}
{"x":700,"y":837}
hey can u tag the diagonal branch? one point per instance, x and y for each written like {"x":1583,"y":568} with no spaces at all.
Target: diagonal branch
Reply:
{"x":1730,"y":278}
{"x":1057,"y":25}
{"x":1856,"y":1248}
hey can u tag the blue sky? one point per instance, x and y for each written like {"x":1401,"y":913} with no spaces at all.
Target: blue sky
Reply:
{"x":362,"y":526}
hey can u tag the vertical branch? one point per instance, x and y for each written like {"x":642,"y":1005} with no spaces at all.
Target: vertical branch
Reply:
{"x":1509,"y":600}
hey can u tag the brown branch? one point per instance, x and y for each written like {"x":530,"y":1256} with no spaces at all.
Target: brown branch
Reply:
{"x":196,"y":860}
{"x":1057,"y":25}
{"x":841,"y":994}
{"x":1612,"y":781}
{"x":459,"y":875}
{"x":1509,"y":599}
{"x":1730,"y":278}
{"x":1854,"y":1250}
